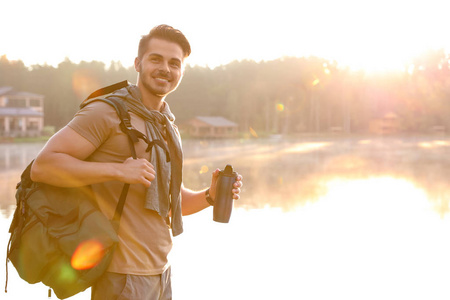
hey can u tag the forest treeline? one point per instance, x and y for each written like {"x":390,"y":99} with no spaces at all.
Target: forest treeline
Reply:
{"x":287,"y":95}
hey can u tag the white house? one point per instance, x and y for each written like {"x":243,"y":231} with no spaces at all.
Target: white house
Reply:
{"x":21,"y":113}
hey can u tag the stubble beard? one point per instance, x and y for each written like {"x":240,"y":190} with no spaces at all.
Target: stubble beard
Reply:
{"x":146,"y":83}
{"x":154,"y":91}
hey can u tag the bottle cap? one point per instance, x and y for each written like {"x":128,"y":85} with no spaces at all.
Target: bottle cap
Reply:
{"x":228,"y":171}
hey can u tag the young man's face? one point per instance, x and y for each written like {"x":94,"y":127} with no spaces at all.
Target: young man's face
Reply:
{"x":161,"y":67}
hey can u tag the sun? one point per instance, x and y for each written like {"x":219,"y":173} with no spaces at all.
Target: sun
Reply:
{"x":379,"y":36}
{"x":375,"y":49}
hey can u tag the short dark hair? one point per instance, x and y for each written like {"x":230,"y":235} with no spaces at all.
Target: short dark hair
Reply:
{"x":167,"y":33}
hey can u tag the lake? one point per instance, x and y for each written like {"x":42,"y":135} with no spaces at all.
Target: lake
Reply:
{"x":319,"y":218}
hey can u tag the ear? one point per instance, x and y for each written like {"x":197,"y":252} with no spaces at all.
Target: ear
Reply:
{"x":137,"y":64}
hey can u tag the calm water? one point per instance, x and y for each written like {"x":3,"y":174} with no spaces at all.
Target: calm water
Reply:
{"x":335,"y":218}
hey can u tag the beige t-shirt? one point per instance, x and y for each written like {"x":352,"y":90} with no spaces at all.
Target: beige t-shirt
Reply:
{"x":145,"y":239}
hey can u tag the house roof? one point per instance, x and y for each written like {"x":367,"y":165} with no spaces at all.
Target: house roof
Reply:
{"x":19,"y":112}
{"x":5,"y":90}
{"x":9,"y":91}
{"x":217,"y":121}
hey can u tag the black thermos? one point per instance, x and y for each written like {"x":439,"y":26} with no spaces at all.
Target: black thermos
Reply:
{"x":224,"y":195}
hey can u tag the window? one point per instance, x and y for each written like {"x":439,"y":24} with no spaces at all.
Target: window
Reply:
{"x":35,"y":102}
{"x":16,"y":103}
{"x":204,"y":130}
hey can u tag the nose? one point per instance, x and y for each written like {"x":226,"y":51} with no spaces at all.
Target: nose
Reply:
{"x":164,"y":67}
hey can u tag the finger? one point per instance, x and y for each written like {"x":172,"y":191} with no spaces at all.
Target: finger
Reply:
{"x":146,"y":183}
{"x":143,"y":178}
{"x":148,"y":166}
{"x":150,"y":176}
{"x":145,"y":162}
{"x":147,"y":180}
{"x":151,"y":171}
{"x":216,"y":172}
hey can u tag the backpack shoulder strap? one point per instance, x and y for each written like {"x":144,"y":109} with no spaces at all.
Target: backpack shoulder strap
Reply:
{"x":126,"y":127}
{"x":125,"y":122}
{"x":133,"y":136}
{"x":108,"y":89}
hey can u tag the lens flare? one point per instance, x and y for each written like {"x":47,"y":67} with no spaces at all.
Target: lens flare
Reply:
{"x":280,"y":107}
{"x":280,"y":180}
{"x":204,"y":169}
{"x":84,"y":82}
{"x":253,"y":132}
{"x":66,"y":273}
{"x":87,"y":255}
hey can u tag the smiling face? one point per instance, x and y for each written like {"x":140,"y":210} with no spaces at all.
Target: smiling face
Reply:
{"x":160,"y":70}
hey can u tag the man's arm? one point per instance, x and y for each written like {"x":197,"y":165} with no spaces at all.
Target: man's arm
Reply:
{"x":193,"y":202}
{"x":61,"y":163}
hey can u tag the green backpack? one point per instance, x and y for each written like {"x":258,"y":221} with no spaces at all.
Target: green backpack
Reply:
{"x":58,"y":235}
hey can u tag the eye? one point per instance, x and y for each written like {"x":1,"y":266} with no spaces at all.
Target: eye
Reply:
{"x":175,"y":64}
{"x":154,"y":59}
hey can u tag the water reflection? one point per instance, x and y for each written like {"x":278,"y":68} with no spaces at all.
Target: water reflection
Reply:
{"x":291,"y":172}
{"x":350,"y":218}
{"x":13,"y":158}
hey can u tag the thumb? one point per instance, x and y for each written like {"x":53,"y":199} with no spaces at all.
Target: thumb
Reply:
{"x":215,"y":176}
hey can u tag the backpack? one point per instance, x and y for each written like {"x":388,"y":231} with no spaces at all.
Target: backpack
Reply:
{"x":58,"y":235}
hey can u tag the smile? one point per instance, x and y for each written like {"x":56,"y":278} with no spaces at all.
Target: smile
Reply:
{"x":165,"y":80}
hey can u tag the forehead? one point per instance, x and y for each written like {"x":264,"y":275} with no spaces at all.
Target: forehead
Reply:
{"x":167,"y":49}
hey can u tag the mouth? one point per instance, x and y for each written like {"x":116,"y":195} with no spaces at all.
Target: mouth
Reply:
{"x":161,"y":79}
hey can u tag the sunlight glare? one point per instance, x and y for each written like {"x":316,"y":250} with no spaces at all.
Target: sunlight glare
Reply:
{"x":399,"y":194}
{"x":362,"y":233}
{"x":306,"y":147}
{"x":365,"y":142}
{"x":434,"y":144}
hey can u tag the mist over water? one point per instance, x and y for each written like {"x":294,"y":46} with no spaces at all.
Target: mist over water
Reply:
{"x":319,"y":218}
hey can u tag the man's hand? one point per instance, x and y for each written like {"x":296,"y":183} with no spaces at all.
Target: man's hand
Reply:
{"x":137,"y":171}
{"x":236,"y":185}
{"x":193,"y":202}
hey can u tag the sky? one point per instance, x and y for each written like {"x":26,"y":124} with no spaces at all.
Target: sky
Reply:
{"x":362,"y":34}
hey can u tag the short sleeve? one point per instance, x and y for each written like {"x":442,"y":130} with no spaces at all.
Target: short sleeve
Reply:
{"x":95,"y":122}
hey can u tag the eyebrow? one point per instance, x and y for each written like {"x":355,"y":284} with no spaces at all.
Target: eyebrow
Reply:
{"x":160,"y":56}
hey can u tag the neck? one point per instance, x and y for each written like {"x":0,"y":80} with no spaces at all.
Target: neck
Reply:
{"x":151,"y":101}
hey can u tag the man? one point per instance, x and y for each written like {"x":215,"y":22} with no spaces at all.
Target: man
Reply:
{"x":92,"y":150}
